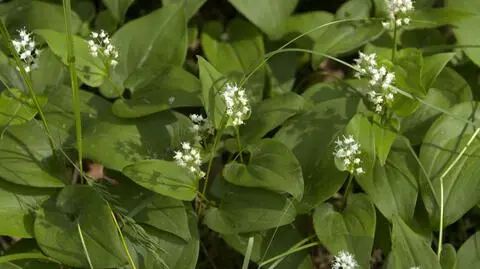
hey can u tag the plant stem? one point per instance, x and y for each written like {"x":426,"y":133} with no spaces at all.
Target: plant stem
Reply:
{"x":84,"y":245}
{"x":239,"y":144}
{"x":394,"y":48}
{"x":27,"y":81}
{"x":74,"y":81}
{"x":348,"y":189}
{"x":440,"y":236}
{"x":124,"y":243}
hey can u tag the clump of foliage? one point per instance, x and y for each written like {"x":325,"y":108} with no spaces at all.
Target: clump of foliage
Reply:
{"x":187,"y":134}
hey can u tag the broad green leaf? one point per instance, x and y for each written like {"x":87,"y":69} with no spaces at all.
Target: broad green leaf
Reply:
{"x":116,"y":142}
{"x":90,"y":69}
{"x":448,"y":89}
{"x":269,"y":114}
{"x":236,"y":52}
{"x":268,"y":15}
{"x":468,"y":255}
{"x":344,"y":38}
{"x":442,"y":144}
{"x":118,"y":8}
{"x":154,"y":90}
{"x":436,"y":17}
{"x":141,"y":45}
{"x":56,"y":230}
{"x":463,"y":29}
{"x":410,"y":249}
{"x":351,"y":230}
{"x":164,"y":250}
{"x":433,"y":66}
{"x":392,"y":187}
{"x":147,"y":207}
{"x":311,"y":138}
{"x":248,"y":210}
{"x":16,"y":107}
{"x":213,"y":83}
{"x":268,"y":244}
{"x":164,"y":177}
{"x":31,"y":14}
{"x":385,"y":133}
{"x":448,"y":258}
{"x":271,"y":165}
{"x":17,"y":206}
{"x":301,"y":23}
{"x":191,"y":7}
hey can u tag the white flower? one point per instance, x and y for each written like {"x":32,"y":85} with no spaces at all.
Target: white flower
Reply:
{"x":189,"y":157}
{"x":348,"y":151}
{"x":237,"y":103}
{"x":100,"y":45}
{"x":26,"y":49}
{"x":381,"y":80}
{"x":201,"y":127}
{"x":344,"y":260}
{"x":398,"y":13}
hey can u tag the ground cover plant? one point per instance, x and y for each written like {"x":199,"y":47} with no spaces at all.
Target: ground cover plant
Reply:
{"x":239,"y":134}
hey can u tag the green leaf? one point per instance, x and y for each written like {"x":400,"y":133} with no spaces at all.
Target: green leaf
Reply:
{"x":271,"y":165}
{"x":17,"y":204}
{"x":191,"y":7}
{"x":385,"y":134}
{"x":468,"y":255}
{"x":236,"y":52}
{"x":352,"y":230}
{"x":433,"y":66}
{"x":89,"y":69}
{"x":311,"y":138}
{"x":463,"y":30}
{"x":164,"y":177}
{"x":141,"y":45}
{"x":248,"y":210}
{"x":56,"y":231}
{"x":118,"y":8}
{"x":268,"y":244}
{"x":442,"y":144}
{"x":300,"y":23}
{"x":344,"y":38}
{"x":436,"y":17}
{"x":269,"y":114}
{"x":16,"y":107}
{"x":31,"y":14}
{"x":410,"y":249}
{"x":212,"y":86}
{"x":268,"y":15}
{"x":116,"y":142}
{"x":448,"y":258}
{"x":155,"y":90}
{"x":392,"y":187}
{"x":146,"y":207}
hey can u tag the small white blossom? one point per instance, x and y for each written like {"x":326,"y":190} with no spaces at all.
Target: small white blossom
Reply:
{"x":344,"y":260}
{"x":26,"y":49}
{"x":381,"y":80}
{"x":237,"y":103}
{"x":399,"y":12}
{"x":189,"y":157}
{"x":100,"y":45}
{"x":201,"y":127}
{"x":348,"y":151}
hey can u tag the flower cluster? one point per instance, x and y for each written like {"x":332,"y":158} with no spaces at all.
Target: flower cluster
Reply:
{"x":398,"y":13}
{"x":26,"y":48}
{"x":348,"y":151}
{"x":100,"y":45}
{"x":381,"y":80}
{"x":201,"y":127}
{"x":344,"y":260}
{"x":236,"y":102}
{"x":189,"y":157}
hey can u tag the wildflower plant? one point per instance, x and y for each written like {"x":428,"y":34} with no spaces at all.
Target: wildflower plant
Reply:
{"x":355,"y":147}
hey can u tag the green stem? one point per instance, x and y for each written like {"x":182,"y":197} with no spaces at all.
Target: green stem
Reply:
{"x":239,"y":144}
{"x":27,"y":81}
{"x":124,"y":243}
{"x":290,"y":251}
{"x":348,"y":189}
{"x":84,"y":245}
{"x":440,"y":236}
{"x":394,"y":48}
{"x":74,"y":81}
